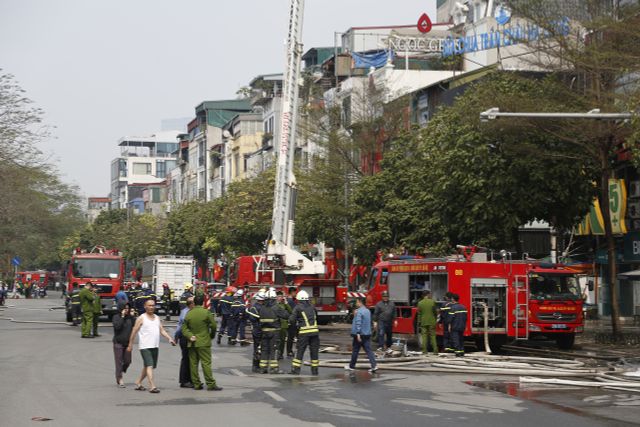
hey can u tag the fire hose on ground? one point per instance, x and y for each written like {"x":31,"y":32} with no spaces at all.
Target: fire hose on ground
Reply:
{"x":479,"y":364}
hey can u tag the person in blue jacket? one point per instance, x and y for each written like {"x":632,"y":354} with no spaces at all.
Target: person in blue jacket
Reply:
{"x":361,"y":333}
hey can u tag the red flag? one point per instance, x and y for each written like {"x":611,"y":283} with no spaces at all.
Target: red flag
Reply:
{"x":353,"y":273}
{"x":217,"y":272}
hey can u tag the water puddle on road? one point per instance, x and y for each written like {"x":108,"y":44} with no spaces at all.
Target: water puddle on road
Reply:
{"x":571,"y":400}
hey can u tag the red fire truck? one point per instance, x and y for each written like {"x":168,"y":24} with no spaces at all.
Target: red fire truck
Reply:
{"x":104,"y":268}
{"x":251,"y":273}
{"x":41,"y":277}
{"x":525,"y":299}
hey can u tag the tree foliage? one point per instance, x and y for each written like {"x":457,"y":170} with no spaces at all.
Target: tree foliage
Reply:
{"x":459,"y":181}
{"x":38,"y":210}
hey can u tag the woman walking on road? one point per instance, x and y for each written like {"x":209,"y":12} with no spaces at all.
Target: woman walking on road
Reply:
{"x":123,"y":322}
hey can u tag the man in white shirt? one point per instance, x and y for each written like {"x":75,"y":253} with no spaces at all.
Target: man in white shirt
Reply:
{"x":148,"y":329}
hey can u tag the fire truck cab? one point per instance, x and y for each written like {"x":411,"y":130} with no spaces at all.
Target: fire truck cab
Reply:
{"x":524,"y":299}
{"x":104,"y":268}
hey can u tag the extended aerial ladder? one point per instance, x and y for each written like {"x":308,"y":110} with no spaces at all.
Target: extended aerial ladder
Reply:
{"x":280,"y":253}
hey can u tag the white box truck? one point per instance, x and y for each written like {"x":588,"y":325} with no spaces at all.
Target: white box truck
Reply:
{"x":170,"y":269}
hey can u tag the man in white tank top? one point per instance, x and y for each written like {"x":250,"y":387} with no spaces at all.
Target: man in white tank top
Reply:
{"x":148,"y":329}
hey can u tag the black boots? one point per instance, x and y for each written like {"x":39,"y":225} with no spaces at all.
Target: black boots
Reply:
{"x":314,"y":370}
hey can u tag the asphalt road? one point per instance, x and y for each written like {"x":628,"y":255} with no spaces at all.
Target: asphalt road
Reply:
{"x":47,"y":370}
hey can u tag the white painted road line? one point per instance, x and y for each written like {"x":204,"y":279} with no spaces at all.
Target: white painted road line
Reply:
{"x":237,"y":373}
{"x":275,"y":396}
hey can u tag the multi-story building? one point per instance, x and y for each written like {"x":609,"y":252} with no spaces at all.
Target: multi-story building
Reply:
{"x":242,"y":136}
{"x":205,"y":169}
{"x":95,"y":206}
{"x":142,"y":160}
{"x":266,"y":99}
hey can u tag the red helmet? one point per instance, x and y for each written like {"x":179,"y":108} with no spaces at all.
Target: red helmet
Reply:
{"x":165,"y":285}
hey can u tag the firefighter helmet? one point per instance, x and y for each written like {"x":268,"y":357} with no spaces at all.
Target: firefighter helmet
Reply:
{"x":302,"y":296}
{"x":145,"y":285}
{"x":165,"y":285}
{"x":260,"y":296}
{"x":188,"y":286}
{"x":271,"y":294}
{"x":239,"y":293}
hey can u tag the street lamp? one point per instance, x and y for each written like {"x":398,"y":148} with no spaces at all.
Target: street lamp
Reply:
{"x":493,"y":113}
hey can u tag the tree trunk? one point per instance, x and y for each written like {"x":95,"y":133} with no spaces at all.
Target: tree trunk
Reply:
{"x":611,"y":244}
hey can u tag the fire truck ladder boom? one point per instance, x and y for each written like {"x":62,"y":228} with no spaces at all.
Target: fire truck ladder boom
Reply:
{"x":283,"y":201}
{"x":280,"y":245}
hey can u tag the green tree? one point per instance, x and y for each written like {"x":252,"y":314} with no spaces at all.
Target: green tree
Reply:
{"x":458,"y":181}
{"x":597,"y":50}
{"x":38,"y":210}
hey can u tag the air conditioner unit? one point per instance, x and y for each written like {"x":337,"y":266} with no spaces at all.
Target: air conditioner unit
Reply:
{"x":634,"y":189}
{"x":634,"y":209}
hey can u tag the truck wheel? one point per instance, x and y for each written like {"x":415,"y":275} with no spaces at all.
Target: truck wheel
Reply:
{"x":69,"y":318}
{"x":565,"y":341}
{"x":323,"y":320}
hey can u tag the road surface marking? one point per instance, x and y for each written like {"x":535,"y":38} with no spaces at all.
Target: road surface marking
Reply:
{"x":237,"y":373}
{"x":275,"y":396}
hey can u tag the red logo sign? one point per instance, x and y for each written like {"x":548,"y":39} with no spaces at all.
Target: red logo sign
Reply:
{"x":424,"y":23}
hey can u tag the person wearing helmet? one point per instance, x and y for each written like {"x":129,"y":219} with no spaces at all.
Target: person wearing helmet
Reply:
{"x":133,"y":293}
{"x":270,"y":315}
{"x":224,"y":307}
{"x":186,"y":294}
{"x":145,"y":294}
{"x":237,"y":320}
{"x":305,"y":316}
{"x":383,"y":316}
{"x":253,"y":314}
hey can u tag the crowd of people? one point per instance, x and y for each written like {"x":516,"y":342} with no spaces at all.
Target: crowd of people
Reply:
{"x":28,"y":289}
{"x":277,"y":322}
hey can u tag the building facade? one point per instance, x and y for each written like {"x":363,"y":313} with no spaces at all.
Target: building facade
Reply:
{"x":143,"y":160}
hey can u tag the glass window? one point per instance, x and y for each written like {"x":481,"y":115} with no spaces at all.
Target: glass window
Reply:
{"x":163,"y":148}
{"x":123,"y":168}
{"x":169,"y":165}
{"x":155,"y":195}
{"x":142,"y":168}
{"x":102,"y":268}
{"x":550,"y":286}
{"x":161,"y":172}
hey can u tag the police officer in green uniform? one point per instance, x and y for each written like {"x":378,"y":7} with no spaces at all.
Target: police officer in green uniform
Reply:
{"x":427,"y":315}
{"x":86,"y":302}
{"x":97,"y":311}
{"x":199,"y":328}
{"x":284,"y":323}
